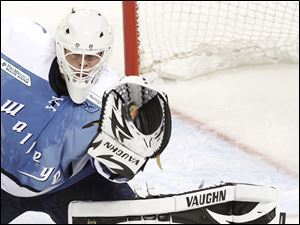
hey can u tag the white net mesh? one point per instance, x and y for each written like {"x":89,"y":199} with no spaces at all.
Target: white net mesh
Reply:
{"x":181,"y":40}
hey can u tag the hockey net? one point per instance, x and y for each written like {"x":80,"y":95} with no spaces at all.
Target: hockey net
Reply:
{"x":186,"y":39}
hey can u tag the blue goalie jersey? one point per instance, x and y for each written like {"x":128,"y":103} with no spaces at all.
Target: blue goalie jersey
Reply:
{"x":43,"y":145}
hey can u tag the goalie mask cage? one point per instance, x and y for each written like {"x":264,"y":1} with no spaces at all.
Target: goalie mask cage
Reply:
{"x":185,"y":39}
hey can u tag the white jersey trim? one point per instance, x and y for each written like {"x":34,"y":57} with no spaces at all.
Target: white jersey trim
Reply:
{"x":13,"y":188}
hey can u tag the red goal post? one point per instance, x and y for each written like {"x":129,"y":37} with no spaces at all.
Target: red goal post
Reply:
{"x":131,"y":57}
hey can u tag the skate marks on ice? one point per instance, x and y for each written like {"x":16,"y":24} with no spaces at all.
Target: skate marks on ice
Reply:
{"x":258,"y":153}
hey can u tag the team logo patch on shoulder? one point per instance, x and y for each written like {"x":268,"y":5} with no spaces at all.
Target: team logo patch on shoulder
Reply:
{"x":15,"y":72}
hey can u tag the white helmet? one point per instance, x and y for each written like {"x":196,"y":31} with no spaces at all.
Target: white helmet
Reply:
{"x":83,"y":44}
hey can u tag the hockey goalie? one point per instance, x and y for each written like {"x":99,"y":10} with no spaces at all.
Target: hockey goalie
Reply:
{"x":134,"y":127}
{"x":63,"y":140}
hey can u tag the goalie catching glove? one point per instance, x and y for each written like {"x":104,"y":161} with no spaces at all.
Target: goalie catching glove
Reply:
{"x":134,"y":125}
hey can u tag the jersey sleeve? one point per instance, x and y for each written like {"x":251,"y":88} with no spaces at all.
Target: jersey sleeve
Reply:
{"x":25,"y":42}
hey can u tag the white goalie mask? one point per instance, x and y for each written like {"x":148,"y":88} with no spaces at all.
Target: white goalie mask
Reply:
{"x":83,"y":44}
